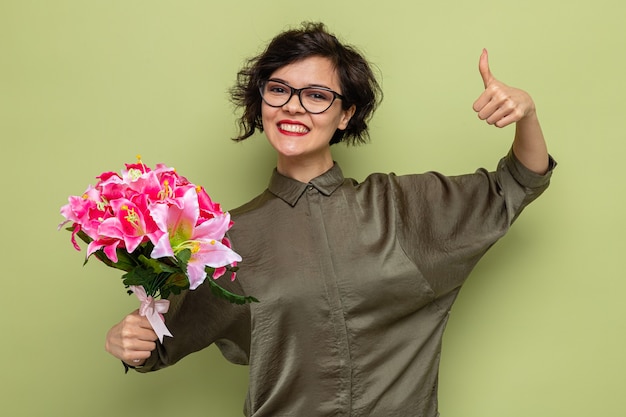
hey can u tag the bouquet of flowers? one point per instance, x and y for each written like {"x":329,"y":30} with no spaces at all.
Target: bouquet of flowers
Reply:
{"x":163,"y":231}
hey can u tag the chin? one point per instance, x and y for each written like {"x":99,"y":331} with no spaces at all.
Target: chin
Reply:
{"x":287,"y":145}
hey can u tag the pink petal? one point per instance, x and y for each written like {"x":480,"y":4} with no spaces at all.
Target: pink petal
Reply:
{"x":214,"y":228}
{"x":213,"y":254}
{"x":162,"y":248}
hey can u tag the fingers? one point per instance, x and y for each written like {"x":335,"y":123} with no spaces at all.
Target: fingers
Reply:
{"x":497,"y":107}
{"x":500,"y":116}
{"x":131,"y":339}
{"x":483,"y":68}
{"x":501,"y":105}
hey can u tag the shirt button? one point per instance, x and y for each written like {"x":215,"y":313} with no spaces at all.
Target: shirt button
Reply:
{"x":310,"y":188}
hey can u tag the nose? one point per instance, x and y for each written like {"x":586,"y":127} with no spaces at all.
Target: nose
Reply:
{"x":293,"y":105}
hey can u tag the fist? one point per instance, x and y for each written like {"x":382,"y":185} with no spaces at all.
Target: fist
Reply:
{"x":132,"y":340}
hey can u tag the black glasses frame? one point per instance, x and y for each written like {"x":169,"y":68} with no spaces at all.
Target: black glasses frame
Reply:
{"x":298,"y":92}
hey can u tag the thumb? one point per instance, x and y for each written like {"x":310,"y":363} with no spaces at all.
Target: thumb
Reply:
{"x":483,"y":68}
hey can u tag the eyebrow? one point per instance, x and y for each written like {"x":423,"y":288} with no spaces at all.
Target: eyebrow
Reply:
{"x":280,"y":80}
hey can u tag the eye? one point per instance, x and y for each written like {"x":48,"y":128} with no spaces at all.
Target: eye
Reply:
{"x":276,"y":89}
{"x":318,"y":95}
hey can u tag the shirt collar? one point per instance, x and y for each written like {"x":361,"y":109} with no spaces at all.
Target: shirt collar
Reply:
{"x":291,"y":190}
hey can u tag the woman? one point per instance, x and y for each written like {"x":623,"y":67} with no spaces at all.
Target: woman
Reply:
{"x":355,"y":281}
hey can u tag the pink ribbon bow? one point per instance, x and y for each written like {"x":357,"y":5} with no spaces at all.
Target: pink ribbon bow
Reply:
{"x":153,"y":310}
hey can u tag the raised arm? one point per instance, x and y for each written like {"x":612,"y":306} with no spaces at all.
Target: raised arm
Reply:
{"x":500,"y":105}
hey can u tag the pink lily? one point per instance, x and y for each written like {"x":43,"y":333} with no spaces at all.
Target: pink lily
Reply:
{"x":208,"y":208}
{"x":131,"y":224}
{"x":86,"y":212}
{"x":180,"y":231}
{"x":108,"y":245}
{"x":142,"y":182}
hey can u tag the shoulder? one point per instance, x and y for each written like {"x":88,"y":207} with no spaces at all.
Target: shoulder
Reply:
{"x":257,"y":202}
{"x":419,"y":182}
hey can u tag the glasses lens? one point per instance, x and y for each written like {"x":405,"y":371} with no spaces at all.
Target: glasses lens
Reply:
{"x":316,"y":100}
{"x":276,"y":94}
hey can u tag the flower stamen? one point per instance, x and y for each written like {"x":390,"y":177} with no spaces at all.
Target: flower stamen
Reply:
{"x":134,"y":174}
{"x":195,"y":247}
{"x":139,"y":161}
{"x":166,"y":192}
{"x":102,"y":204}
{"x":131,"y":216}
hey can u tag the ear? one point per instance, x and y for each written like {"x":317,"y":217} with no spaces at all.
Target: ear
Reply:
{"x":346,"y":115}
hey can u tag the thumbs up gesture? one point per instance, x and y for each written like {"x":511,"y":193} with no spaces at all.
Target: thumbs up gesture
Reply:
{"x":500,"y":105}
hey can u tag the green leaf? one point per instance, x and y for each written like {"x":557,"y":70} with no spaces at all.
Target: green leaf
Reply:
{"x":140,"y":275}
{"x":178,"y":280}
{"x":227,"y":295}
{"x":183,"y":257}
{"x":164,"y":292}
{"x":157,"y":266}
{"x":174,"y":284}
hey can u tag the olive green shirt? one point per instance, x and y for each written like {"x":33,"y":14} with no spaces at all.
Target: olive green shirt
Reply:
{"x":355,"y":283}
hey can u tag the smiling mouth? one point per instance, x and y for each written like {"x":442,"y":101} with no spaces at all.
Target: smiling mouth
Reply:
{"x":293,"y":128}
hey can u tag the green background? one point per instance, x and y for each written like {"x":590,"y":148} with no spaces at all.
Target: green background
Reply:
{"x":87,"y":85}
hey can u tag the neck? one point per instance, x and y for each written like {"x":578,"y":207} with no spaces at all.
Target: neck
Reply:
{"x":303,"y":171}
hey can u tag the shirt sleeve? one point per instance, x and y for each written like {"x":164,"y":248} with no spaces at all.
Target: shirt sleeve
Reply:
{"x":446,"y":224}
{"x":198,"y":319}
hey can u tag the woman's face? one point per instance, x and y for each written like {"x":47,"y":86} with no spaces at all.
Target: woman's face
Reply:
{"x":294,"y":133}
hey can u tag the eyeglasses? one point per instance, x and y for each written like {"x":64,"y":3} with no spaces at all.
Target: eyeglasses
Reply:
{"x":314,"y":100}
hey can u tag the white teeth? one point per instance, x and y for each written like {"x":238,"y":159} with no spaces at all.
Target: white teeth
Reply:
{"x":293,"y":128}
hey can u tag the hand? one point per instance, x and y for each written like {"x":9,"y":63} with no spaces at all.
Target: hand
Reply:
{"x":500,"y":105}
{"x":132,"y":340}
